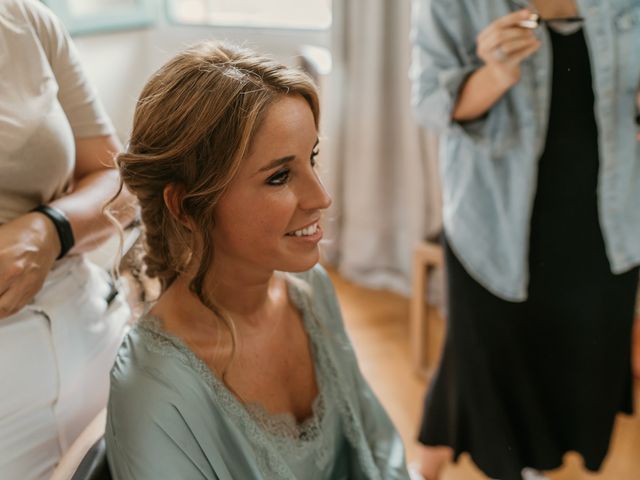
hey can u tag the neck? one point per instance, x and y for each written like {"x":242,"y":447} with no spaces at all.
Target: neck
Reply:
{"x":248,"y":299}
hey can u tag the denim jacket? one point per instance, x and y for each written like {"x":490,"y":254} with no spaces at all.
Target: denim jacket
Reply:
{"x":489,"y":166}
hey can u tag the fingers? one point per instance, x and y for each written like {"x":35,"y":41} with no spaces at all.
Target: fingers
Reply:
{"x":16,"y":292}
{"x":518,"y":56}
{"x":499,"y":38}
{"x":11,"y":301}
{"x":509,"y":51}
{"x":508,"y":21}
{"x":505,"y":42}
{"x":7,"y":281}
{"x":519,"y":45}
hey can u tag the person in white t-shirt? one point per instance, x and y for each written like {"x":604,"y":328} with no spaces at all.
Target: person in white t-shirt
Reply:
{"x":60,"y":320}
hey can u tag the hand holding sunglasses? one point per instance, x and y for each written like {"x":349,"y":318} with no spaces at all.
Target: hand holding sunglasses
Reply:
{"x":503,"y":46}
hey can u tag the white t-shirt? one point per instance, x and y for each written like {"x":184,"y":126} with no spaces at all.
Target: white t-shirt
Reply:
{"x":45,"y":101}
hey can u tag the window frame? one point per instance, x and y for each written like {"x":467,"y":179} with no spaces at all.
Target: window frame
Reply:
{"x":141,"y":14}
{"x":171,"y":19}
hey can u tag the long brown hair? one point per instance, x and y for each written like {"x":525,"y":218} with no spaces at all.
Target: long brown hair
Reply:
{"x":192,"y":127}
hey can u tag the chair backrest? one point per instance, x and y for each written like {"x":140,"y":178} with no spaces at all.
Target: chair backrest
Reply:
{"x":89,"y":445}
{"x":94,"y":465}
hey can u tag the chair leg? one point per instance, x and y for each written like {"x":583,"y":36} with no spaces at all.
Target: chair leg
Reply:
{"x":418,"y":327}
{"x":426,"y":255}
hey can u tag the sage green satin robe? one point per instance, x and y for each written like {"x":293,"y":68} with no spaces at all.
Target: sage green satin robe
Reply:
{"x":169,"y":417}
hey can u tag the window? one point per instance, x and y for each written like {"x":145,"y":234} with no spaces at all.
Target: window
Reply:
{"x":91,"y":16}
{"x":284,"y":14}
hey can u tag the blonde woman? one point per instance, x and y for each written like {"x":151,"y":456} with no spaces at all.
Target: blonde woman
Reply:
{"x":238,"y":371}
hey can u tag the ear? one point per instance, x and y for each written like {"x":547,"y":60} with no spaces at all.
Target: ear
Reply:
{"x":173,"y":194}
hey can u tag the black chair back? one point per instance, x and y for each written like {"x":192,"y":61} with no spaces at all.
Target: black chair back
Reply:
{"x":94,"y":465}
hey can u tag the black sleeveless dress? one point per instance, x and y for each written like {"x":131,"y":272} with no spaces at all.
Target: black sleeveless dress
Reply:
{"x":521,"y":384}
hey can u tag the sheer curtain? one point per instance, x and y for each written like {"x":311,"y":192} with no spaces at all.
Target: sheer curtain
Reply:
{"x":380,"y":166}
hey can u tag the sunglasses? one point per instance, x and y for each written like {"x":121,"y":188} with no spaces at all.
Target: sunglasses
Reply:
{"x":535,"y":20}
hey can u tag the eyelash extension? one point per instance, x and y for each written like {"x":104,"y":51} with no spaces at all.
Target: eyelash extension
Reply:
{"x":279,"y":178}
{"x":282,"y":176}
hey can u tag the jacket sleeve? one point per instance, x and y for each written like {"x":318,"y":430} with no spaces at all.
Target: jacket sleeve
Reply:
{"x":443,"y":57}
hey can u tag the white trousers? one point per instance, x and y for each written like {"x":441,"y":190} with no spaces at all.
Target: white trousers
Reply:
{"x":55,"y":358}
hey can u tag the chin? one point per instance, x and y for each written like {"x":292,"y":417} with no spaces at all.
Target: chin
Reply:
{"x":301,"y":264}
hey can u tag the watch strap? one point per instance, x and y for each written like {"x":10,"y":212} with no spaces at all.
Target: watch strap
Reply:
{"x":63,"y":227}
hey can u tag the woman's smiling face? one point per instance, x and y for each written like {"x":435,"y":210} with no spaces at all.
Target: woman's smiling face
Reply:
{"x":268,"y":218}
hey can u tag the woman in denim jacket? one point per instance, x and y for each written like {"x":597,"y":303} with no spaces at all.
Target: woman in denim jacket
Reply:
{"x":540,"y":168}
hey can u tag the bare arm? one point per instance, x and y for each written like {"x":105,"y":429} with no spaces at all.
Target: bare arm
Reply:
{"x":503,"y":45}
{"x":95,"y":182}
{"x":29,"y":245}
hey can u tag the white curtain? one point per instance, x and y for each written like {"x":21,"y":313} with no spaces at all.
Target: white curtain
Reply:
{"x":380,"y":166}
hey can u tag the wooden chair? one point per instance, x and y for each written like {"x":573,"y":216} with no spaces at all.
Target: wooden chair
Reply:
{"x":427,"y":255}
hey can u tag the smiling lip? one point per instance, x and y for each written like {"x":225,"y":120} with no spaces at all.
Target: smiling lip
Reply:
{"x":313,"y":233}
{"x":292,"y":232}
{"x":313,"y":238}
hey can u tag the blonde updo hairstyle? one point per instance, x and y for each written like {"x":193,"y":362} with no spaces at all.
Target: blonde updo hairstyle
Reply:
{"x":192,"y":127}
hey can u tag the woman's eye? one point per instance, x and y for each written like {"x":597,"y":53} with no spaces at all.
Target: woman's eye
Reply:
{"x":279,"y":178}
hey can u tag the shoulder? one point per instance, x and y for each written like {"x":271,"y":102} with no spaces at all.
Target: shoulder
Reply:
{"x":27,"y":12}
{"x":457,"y":14}
{"x":137,"y":374}
{"x":143,"y":372}
{"x":154,"y":390}
{"x":38,"y":20}
{"x":13,"y":14}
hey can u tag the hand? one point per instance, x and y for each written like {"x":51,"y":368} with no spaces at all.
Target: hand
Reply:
{"x":29,"y":246}
{"x":503,"y":45}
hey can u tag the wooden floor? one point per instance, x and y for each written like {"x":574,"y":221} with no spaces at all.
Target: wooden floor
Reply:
{"x":378,"y":325}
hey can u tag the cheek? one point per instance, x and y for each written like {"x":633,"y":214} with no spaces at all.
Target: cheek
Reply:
{"x":272,"y":213}
{"x":271,"y":220}
{"x":256,"y":214}
{"x":248,"y":222}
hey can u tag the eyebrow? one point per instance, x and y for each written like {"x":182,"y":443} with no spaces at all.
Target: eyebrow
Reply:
{"x":281,"y":161}
{"x":277,"y":162}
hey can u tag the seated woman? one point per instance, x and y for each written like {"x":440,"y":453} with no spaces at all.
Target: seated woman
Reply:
{"x":238,"y":371}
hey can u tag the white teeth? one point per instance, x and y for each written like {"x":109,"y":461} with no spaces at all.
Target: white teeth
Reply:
{"x":303,"y":232}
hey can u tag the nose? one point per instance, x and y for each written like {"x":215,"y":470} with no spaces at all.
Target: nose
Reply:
{"x":314,"y":195}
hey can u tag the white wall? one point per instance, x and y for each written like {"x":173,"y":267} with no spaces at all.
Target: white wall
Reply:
{"x":119,"y":63}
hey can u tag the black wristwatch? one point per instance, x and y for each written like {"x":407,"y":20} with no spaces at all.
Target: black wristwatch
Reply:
{"x":63,"y":227}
